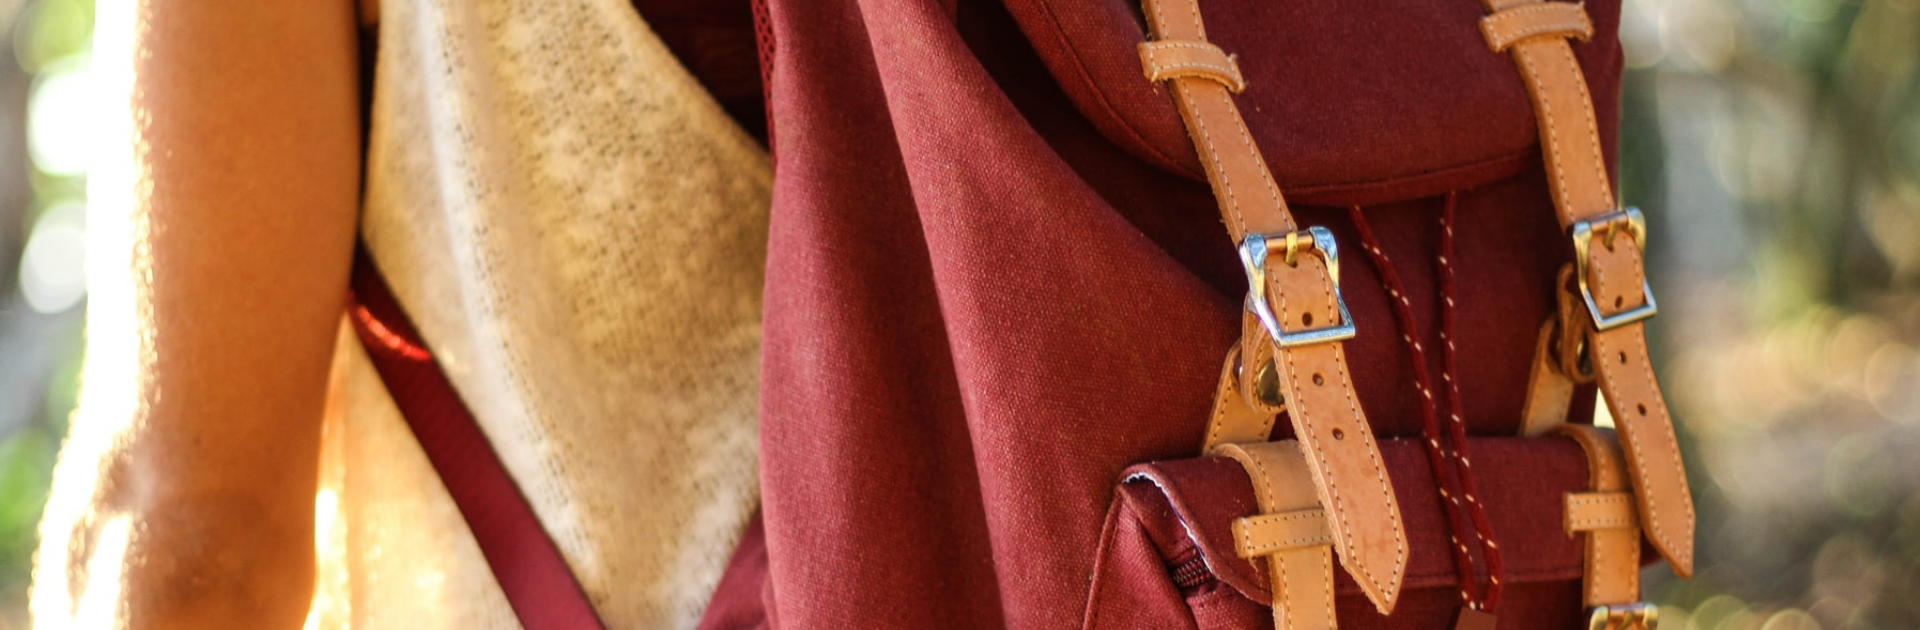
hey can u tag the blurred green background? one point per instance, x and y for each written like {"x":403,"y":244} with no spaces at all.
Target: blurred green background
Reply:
{"x":1774,"y":143}
{"x":44,"y":105}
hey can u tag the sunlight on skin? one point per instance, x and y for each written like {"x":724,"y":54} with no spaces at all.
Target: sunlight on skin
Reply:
{"x":100,"y":606}
{"x":326,"y":511}
{"x":119,"y":348}
{"x":224,"y":183}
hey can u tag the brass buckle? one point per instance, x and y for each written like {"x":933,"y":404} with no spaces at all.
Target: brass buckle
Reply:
{"x":1253,"y":256}
{"x":1610,"y":225}
{"x":1634,"y":616}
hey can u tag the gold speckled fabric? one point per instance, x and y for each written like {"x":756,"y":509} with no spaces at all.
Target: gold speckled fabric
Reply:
{"x":579,"y":233}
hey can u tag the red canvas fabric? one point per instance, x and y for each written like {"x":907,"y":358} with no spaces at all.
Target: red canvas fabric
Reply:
{"x":995,"y":284}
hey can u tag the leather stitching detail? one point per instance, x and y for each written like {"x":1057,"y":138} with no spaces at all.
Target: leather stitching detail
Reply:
{"x":1199,"y":28}
{"x":1267,"y":499}
{"x":1524,"y":55}
{"x":1578,"y":501}
{"x":1604,"y":186}
{"x":1282,"y":592}
{"x":1326,"y":574}
{"x":1212,"y":157}
{"x":1251,"y":549}
{"x":1602,"y":565}
{"x":1266,"y":176}
{"x":1220,"y":407}
{"x":1256,"y":551}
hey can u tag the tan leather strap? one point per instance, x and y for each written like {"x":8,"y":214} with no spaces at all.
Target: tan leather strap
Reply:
{"x":1549,"y":393}
{"x":1292,"y":532}
{"x":1294,"y":287}
{"x":1234,"y":418}
{"x":1583,"y":197}
{"x":1607,"y":517}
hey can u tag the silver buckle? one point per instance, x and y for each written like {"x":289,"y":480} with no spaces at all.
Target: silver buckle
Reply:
{"x":1253,"y":256}
{"x":1610,"y":223}
{"x":1634,"y":616}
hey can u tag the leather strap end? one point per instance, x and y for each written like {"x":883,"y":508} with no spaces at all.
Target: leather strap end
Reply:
{"x":1647,"y":439}
{"x":1173,"y":59}
{"x":1333,"y":433}
{"x":1266,"y":534}
{"x":1509,"y":26}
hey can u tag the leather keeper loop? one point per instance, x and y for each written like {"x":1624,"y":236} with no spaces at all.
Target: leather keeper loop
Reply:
{"x":1292,"y":530}
{"x":1267,"y":534}
{"x":1555,"y":19}
{"x":1172,"y":59}
{"x":1607,"y":517}
{"x":1589,"y":511}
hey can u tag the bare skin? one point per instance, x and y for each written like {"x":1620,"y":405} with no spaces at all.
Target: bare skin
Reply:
{"x":248,"y":115}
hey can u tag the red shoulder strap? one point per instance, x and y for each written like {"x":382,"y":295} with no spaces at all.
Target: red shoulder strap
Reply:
{"x":538,"y":583}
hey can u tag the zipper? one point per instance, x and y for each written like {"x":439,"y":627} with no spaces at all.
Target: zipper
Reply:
{"x":1192,"y":574}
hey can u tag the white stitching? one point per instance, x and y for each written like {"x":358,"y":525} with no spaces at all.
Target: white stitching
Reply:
{"x":1545,"y":109}
{"x":1220,"y":411}
{"x":1250,"y":548}
{"x":1593,"y":131}
{"x":1260,"y":163}
{"x":1598,"y":540}
{"x":1326,"y":577}
{"x":1254,"y":551}
{"x":1282,"y":600}
{"x":1213,"y":159}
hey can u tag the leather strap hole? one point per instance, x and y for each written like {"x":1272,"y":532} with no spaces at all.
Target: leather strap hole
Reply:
{"x":1339,"y":434}
{"x":1623,"y":358}
{"x":1643,"y":409}
{"x":1317,"y":380}
{"x":1306,"y":319}
{"x":1619,"y":301}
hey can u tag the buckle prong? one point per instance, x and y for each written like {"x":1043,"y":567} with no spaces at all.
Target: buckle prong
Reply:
{"x":1253,"y":256}
{"x":1610,"y":225}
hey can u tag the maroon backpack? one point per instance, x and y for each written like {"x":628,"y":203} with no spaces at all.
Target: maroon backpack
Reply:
{"x":997,"y":288}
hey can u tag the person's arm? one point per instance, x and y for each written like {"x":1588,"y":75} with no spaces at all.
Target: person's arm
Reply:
{"x":218,"y":256}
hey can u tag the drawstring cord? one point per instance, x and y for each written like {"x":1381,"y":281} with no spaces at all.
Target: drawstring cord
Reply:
{"x":1482,"y":526}
{"x":1454,"y":482}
